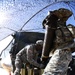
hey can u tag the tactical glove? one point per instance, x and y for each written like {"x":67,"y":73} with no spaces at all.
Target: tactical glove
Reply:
{"x":45,"y":61}
{"x":42,"y":66}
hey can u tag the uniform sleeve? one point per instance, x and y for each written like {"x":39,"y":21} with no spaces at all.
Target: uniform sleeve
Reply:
{"x":30,"y":57}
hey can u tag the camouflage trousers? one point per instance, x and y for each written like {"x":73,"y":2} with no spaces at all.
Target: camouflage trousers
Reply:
{"x":59,"y":62}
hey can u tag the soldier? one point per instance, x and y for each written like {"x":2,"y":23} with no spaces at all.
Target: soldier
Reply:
{"x":60,"y":39}
{"x":28,"y":55}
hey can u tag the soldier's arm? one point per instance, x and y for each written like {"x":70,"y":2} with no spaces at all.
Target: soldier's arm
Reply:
{"x":30,"y":58}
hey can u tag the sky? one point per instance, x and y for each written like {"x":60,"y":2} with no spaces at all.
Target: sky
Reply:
{"x":15,"y":13}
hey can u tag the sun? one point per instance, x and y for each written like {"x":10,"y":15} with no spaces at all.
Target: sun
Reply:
{"x":3,"y":17}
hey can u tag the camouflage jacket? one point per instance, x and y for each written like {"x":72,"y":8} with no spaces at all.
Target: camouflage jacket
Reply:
{"x":29,"y":54}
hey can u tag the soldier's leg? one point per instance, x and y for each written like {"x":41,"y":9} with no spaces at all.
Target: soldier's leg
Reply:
{"x":59,"y":62}
{"x":18,"y":65}
{"x":13,"y":65}
{"x":13,"y":57}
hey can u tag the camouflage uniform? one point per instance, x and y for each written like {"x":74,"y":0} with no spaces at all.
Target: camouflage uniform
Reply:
{"x":63,"y":44}
{"x":62,"y":56}
{"x":29,"y":54}
{"x":59,"y":62}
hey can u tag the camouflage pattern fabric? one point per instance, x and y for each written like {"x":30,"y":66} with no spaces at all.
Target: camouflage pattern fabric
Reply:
{"x":59,"y":62}
{"x":63,"y":44}
{"x":26,"y":55}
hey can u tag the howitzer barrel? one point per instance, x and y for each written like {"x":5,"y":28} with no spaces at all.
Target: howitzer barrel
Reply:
{"x":48,"y":41}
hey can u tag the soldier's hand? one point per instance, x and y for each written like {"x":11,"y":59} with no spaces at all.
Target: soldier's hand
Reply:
{"x":42,"y":66}
{"x":44,"y":61}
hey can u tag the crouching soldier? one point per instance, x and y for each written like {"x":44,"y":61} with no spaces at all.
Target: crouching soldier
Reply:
{"x":28,"y":54}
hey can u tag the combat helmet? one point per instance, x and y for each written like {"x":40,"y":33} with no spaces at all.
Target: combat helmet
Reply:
{"x":39,"y":42}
